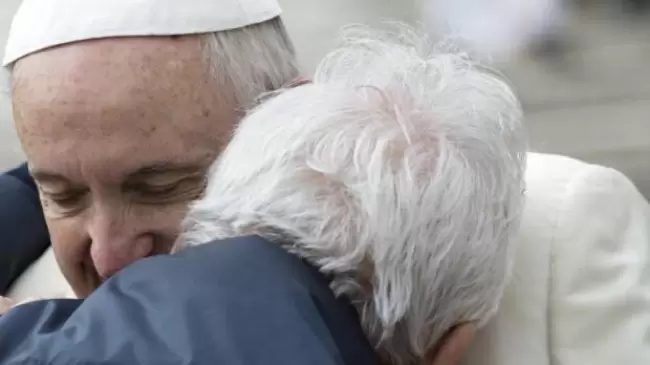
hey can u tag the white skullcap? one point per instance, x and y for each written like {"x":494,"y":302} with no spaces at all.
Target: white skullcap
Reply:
{"x":40,"y":24}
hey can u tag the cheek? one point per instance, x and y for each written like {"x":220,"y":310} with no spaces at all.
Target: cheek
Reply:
{"x":172,"y":243}
{"x":164,"y":222}
{"x":161,"y":222}
{"x":70,"y":246}
{"x":69,"y":241}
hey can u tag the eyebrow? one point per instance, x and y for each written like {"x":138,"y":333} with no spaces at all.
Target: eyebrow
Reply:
{"x":163,"y":168}
{"x":44,"y":176}
{"x":142,"y":173}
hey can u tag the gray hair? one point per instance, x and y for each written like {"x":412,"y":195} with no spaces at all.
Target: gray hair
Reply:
{"x":399,"y":172}
{"x":253,"y":60}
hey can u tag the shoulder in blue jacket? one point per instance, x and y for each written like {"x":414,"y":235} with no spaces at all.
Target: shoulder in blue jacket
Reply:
{"x":23,"y":232}
{"x":237,"y":301}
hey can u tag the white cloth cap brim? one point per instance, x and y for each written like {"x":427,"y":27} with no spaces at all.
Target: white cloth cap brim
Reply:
{"x":41,"y":24}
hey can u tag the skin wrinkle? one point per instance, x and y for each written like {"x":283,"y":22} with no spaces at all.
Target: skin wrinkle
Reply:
{"x":95,"y":112}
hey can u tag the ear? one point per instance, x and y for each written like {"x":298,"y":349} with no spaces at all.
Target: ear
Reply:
{"x":453,"y":345}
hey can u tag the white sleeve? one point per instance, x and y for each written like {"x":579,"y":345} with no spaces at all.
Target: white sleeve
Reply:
{"x":599,"y":295}
{"x":43,"y":279}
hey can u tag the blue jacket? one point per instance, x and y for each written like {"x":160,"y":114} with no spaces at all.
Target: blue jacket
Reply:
{"x":238,"y":301}
{"x":23,"y":232}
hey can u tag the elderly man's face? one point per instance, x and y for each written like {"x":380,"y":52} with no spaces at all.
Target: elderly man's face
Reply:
{"x":118,"y":135}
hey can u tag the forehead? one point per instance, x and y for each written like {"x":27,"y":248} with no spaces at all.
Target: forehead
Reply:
{"x":119,"y":102}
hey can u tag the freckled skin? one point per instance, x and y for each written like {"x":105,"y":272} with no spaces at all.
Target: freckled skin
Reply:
{"x":118,"y":134}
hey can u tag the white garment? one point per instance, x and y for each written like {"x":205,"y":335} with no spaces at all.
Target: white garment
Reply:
{"x":580,"y":293}
{"x":41,"y":24}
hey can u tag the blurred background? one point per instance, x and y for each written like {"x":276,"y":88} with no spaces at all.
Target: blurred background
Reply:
{"x":581,"y":67}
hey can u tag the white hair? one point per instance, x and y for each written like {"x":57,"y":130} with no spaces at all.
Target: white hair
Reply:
{"x":399,"y":172}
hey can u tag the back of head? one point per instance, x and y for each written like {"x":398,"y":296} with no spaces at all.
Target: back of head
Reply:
{"x":399,"y":172}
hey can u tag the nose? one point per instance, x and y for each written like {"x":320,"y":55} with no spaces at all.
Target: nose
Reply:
{"x":111,"y":256}
{"x":116,"y":244}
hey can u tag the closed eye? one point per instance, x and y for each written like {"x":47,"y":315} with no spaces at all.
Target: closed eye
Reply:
{"x":187,"y":188}
{"x":63,"y":203}
{"x":158,"y":189}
